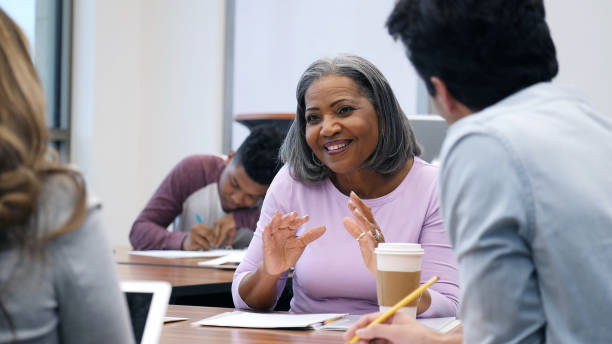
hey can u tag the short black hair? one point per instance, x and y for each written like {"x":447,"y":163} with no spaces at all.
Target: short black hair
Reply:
{"x":483,"y":50}
{"x":258,"y":154}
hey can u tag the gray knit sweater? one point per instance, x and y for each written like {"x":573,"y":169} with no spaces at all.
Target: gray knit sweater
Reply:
{"x":72,"y":294}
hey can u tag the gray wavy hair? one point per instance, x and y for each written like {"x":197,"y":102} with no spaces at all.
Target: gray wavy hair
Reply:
{"x":396,"y":141}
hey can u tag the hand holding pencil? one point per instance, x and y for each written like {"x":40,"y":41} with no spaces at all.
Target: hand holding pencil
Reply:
{"x":200,"y":237}
{"x":401,"y":325}
{"x":400,"y":328}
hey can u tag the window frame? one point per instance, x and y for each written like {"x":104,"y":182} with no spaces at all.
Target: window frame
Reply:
{"x":53,"y":60}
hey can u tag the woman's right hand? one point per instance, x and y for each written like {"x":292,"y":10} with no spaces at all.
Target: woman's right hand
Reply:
{"x":281,"y":248}
{"x":400,"y":328}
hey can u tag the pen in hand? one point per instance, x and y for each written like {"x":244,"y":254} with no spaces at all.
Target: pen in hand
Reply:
{"x":402,"y":303}
{"x":199,"y":219}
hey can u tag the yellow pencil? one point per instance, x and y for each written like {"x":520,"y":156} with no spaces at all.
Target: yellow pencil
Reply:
{"x":411,"y":297}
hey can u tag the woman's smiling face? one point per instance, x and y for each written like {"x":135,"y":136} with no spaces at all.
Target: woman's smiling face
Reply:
{"x":341,"y":123}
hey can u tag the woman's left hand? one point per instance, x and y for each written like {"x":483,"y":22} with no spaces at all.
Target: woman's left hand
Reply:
{"x":365,"y":230}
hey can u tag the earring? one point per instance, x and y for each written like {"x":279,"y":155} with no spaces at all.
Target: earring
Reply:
{"x":316,"y":160}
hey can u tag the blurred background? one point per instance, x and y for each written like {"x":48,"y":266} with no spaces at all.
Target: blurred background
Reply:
{"x":133,"y":86}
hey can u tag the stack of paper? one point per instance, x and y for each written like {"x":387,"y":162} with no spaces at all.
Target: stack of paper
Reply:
{"x":439,"y":324}
{"x":172,"y":254}
{"x":268,"y":320}
{"x":230,"y":261}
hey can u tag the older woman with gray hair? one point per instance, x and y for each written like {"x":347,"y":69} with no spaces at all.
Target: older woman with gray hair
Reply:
{"x":350,"y":137}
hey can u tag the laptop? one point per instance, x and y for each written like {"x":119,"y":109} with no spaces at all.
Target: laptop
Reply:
{"x":430,"y":131}
{"x":147,"y":302}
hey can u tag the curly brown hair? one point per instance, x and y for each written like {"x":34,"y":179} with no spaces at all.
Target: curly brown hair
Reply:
{"x":25,"y":159}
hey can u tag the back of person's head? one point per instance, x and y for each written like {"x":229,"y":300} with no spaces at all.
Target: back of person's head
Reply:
{"x":483,"y":50}
{"x":258,"y":154}
{"x":24,"y":139}
{"x":396,"y":141}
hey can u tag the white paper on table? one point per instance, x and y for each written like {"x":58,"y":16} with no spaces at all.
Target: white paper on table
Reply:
{"x":438,"y":324}
{"x":268,"y":320}
{"x":228,"y":261}
{"x":171,"y":254}
{"x":341,"y":324}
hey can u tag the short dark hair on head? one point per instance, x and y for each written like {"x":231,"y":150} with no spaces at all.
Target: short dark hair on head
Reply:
{"x":258,"y":154}
{"x":396,"y":141}
{"x":483,"y":50}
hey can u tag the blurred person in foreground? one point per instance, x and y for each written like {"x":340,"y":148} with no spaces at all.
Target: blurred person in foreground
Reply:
{"x":525,"y":179}
{"x":57,"y":273}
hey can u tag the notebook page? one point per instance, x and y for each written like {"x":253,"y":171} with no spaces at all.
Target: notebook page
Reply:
{"x":438,"y":324}
{"x":267,"y":320}
{"x":233,"y":258}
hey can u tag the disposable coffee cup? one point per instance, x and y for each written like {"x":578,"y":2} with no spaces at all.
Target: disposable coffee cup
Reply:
{"x":398,"y":273}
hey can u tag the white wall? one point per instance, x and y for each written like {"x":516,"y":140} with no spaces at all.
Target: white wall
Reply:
{"x":146,"y":91}
{"x":147,"y":76}
{"x":581,"y":32}
{"x":276,"y":40}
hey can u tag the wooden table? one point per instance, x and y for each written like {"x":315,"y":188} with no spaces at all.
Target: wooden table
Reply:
{"x":183,"y":332}
{"x":191,"y":284}
{"x":176,"y":276}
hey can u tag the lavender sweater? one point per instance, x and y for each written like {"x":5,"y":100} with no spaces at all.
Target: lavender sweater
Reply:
{"x":190,"y":175}
{"x":331,"y":276}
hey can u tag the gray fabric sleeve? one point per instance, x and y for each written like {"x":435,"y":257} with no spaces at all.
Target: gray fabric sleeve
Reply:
{"x":92,"y":308}
{"x":486,"y":205}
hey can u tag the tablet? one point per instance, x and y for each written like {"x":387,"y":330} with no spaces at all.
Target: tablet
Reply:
{"x":147,"y":302}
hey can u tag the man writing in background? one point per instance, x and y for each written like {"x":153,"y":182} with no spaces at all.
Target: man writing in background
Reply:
{"x":217,"y":199}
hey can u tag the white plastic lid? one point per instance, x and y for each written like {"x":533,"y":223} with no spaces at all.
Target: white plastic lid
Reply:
{"x":398,"y":248}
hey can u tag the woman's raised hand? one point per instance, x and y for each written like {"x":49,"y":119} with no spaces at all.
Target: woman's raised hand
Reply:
{"x":365,"y":230}
{"x":281,"y":248}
